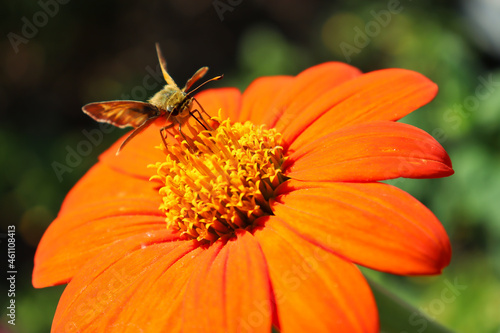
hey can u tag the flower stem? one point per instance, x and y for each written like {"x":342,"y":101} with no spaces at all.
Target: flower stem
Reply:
{"x":397,"y":316}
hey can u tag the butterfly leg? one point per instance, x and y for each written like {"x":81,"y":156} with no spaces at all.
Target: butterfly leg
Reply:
{"x":138,"y":130}
{"x":180,"y":131}
{"x":201,"y":107}
{"x":169,"y":126}
{"x":205,"y":125}
{"x":164,"y":129}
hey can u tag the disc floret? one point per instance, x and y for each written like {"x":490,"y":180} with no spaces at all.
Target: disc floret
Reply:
{"x":221,"y":180}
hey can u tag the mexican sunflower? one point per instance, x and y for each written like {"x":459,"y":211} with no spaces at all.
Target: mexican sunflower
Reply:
{"x":259,"y":222}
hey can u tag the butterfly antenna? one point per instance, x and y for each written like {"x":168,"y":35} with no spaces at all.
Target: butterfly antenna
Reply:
{"x":201,"y":85}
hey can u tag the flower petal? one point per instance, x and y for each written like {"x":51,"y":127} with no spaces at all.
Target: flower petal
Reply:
{"x":103,"y":207}
{"x":231,"y":292}
{"x":139,"y":152}
{"x":109,"y":294}
{"x":306,"y":87}
{"x":188,"y":288}
{"x":228,"y":100}
{"x":374,"y":224}
{"x":101,"y":183}
{"x":257,"y":101}
{"x":316,"y":291}
{"x":380,"y":95}
{"x":370,"y":152}
{"x":74,"y":239}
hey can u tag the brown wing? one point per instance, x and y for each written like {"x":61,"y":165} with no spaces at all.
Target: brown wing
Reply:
{"x":163,"y":65}
{"x":122,"y":113}
{"x":198,"y":75}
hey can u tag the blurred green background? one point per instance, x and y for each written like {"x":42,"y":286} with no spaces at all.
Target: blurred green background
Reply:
{"x":89,"y":51}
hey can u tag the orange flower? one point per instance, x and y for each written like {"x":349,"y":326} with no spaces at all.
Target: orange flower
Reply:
{"x":264,"y":224}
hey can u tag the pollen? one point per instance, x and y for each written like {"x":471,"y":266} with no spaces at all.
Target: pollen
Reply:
{"x":217,"y":181}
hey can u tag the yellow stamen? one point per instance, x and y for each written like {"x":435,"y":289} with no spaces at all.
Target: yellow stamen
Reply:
{"x":220,"y":180}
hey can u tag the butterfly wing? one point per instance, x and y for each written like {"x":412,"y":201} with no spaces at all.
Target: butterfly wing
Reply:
{"x":122,"y":113}
{"x":163,"y":65}
{"x":198,"y":75}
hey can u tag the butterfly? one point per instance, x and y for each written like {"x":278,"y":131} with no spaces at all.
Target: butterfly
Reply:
{"x":172,"y":103}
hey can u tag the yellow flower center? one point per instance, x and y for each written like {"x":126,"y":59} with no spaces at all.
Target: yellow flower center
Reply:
{"x":221,"y":180}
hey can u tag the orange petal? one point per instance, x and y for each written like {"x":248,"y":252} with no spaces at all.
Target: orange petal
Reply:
{"x":230,"y":291}
{"x":305,"y":88}
{"x":73,"y":239}
{"x":96,"y":213}
{"x":132,"y":286}
{"x":381,"y":95}
{"x":228,"y":100}
{"x":370,"y":152}
{"x":102,"y":183}
{"x":188,"y":288}
{"x":315,"y":290}
{"x":374,"y":224}
{"x":257,"y":103}
{"x":138,"y":153}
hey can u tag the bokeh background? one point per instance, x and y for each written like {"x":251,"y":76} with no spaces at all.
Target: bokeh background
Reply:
{"x":87,"y":51}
